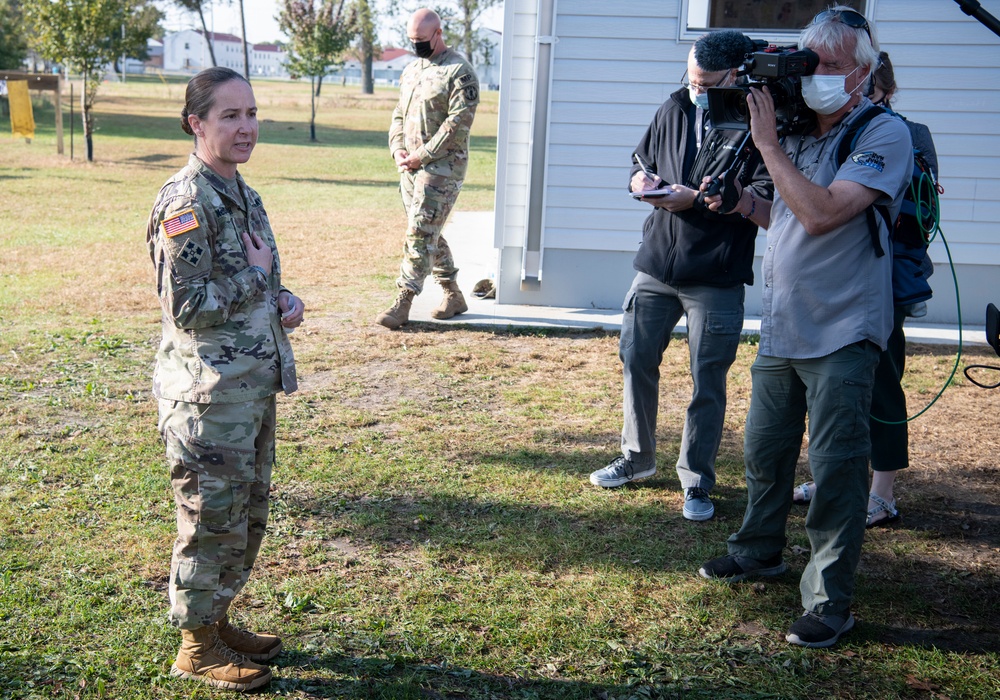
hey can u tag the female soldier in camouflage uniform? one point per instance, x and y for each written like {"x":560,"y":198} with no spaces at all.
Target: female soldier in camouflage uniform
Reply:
{"x":224,"y":355}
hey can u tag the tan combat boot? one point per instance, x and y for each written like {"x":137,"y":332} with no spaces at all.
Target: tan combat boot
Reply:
{"x":453,"y":303}
{"x":256,"y":647}
{"x":204,"y":657}
{"x":399,"y":313}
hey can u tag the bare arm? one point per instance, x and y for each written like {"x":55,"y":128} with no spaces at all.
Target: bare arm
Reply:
{"x":819,"y":209}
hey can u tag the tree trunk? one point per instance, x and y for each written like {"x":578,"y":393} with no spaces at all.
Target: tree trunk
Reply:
{"x":246,"y":50}
{"x":88,"y":119}
{"x":367,"y":77}
{"x":208,"y":37}
{"x":319,"y":86}
{"x":468,"y":35}
{"x":312,"y":118}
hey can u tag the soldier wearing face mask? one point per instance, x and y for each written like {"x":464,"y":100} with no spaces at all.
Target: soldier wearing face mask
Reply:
{"x":429,"y":141}
{"x":692,"y":262}
{"x":827,"y":313}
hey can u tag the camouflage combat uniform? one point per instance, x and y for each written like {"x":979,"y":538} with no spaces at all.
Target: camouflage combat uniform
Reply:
{"x":438,"y":97}
{"x":222,"y":359}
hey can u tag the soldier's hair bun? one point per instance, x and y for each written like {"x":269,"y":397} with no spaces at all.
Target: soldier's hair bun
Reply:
{"x":184,"y":122}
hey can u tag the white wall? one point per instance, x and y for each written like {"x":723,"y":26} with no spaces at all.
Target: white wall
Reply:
{"x":612,"y":70}
{"x":185,"y":50}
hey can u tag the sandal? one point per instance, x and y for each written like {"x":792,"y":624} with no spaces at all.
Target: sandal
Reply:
{"x":803,"y":493}
{"x":882,"y":506}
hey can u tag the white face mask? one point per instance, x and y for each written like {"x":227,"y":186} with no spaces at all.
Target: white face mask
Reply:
{"x":824,"y":94}
{"x":700,"y":99}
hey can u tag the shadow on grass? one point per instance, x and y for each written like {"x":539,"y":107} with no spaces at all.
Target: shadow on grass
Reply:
{"x":532,"y":537}
{"x":304,"y":675}
{"x":915,"y":599}
{"x":401,"y":679}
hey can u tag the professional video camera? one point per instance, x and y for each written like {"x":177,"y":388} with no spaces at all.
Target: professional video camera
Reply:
{"x":780,"y":68}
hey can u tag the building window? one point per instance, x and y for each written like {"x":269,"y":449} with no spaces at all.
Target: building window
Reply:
{"x":187,"y":46}
{"x":770,"y":17}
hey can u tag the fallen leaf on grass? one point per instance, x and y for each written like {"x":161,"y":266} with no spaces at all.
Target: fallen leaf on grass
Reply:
{"x":918,"y":684}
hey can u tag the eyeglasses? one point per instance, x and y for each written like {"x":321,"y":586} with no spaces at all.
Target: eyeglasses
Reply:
{"x":854,"y":20}
{"x":702,"y":88}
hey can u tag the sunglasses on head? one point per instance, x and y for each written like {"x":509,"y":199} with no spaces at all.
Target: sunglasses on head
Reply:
{"x":852,"y":19}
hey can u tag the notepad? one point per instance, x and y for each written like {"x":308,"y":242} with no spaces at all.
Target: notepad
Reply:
{"x":652,"y":194}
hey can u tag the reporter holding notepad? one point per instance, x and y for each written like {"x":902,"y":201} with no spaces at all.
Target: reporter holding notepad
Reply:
{"x":692,"y":262}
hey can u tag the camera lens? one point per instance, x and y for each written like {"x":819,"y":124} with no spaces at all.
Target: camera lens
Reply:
{"x":728,"y":107}
{"x":739,"y":109}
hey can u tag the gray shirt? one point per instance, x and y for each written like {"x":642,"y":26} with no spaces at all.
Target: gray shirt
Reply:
{"x":822,"y":293}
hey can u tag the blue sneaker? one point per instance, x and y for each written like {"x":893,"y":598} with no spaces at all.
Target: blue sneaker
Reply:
{"x":621,"y":471}
{"x":697,"y":504}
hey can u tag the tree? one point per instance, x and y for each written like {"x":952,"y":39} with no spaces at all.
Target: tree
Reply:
{"x":246,"y":47}
{"x":318,"y":36}
{"x":468,"y":14}
{"x":367,"y":44}
{"x":199,"y":7}
{"x":86,"y":36}
{"x":13,"y":47}
{"x":142,"y":24}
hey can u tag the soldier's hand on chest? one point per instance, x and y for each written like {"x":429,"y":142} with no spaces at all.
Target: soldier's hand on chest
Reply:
{"x":258,"y":252}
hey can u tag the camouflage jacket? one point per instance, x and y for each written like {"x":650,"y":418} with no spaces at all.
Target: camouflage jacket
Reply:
{"x":222,"y":339}
{"x":437,"y":102}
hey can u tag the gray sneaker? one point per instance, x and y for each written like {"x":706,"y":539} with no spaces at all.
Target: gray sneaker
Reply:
{"x":733,"y":568}
{"x":697,"y":504}
{"x":621,"y":471}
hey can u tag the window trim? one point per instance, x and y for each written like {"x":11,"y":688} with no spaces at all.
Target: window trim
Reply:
{"x":688,"y":32}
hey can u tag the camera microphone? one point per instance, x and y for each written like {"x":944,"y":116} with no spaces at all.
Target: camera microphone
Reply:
{"x":722,"y":50}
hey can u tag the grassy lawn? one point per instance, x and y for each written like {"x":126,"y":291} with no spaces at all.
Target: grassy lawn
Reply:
{"x":433,"y":533}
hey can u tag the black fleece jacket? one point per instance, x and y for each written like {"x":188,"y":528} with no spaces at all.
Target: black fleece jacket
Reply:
{"x":695,"y":246}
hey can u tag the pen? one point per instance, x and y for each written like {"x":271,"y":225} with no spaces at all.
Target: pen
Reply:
{"x":645,"y":166}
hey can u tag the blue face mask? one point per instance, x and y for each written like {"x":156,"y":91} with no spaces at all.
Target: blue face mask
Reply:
{"x":700,"y":99}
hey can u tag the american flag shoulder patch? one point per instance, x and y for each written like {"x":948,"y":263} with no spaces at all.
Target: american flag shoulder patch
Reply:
{"x":180,"y":223}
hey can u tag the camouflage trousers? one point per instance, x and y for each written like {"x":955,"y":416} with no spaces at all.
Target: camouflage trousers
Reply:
{"x":428,"y":200}
{"x":220,"y":458}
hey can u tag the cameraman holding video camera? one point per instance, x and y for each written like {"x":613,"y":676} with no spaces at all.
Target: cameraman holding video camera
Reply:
{"x":692,"y":261}
{"x":827,"y":313}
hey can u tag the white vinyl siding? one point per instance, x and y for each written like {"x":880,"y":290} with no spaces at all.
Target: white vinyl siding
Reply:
{"x":611,"y":72}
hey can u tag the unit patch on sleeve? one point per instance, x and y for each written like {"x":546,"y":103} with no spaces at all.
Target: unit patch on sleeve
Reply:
{"x":465,"y":79}
{"x":180,"y":223}
{"x":191,"y":253}
{"x":870,"y":159}
{"x":471,"y":93}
